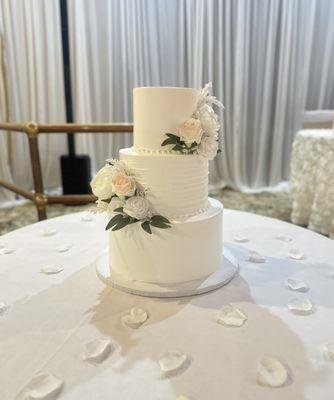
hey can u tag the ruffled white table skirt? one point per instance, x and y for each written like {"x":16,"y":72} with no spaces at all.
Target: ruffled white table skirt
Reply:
{"x":50,"y":318}
{"x":312,"y":180}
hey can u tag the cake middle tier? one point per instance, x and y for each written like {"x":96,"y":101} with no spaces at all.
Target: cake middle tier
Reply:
{"x":177,"y":185}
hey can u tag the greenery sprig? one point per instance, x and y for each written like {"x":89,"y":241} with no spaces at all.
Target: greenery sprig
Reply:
{"x":179,"y":145}
{"x":121,"y":220}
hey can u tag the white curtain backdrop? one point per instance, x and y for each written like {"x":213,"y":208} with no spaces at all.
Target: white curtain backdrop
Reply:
{"x":320,"y":95}
{"x":32,"y":47}
{"x":267,"y":61}
{"x":257,"y":53}
{"x":4,"y":159}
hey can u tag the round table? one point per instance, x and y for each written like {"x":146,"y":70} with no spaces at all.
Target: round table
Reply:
{"x":50,"y":318}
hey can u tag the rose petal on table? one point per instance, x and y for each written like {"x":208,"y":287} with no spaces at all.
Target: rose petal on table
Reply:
{"x":255,"y":257}
{"x":51,"y":269}
{"x":87,"y":218}
{"x":3,"y":308}
{"x":300,"y":306}
{"x":231,"y":316}
{"x":284,"y":238}
{"x":44,"y":386}
{"x":297,"y":285}
{"x":97,"y":350}
{"x":48,"y":232}
{"x":240,"y":238}
{"x":296,"y":254}
{"x":6,"y":250}
{"x":63,"y":248}
{"x":172,"y":362}
{"x":134,"y":317}
{"x":271,"y":372}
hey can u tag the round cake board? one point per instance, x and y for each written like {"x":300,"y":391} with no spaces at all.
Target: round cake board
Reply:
{"x":225,"y":273}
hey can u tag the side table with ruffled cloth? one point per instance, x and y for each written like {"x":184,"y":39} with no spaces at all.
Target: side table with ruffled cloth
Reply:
{"x":312,"y":180}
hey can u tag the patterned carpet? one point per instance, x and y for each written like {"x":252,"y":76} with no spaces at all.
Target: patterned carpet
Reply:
{"x":275,"y":205}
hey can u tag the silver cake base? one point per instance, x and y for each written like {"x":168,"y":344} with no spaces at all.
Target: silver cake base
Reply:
{"x":225,"y":273}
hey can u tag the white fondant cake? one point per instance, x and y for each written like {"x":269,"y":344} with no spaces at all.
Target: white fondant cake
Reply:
{"x":177,"y":188}
{"x":157,"y":111}
{"x":177,"y":184}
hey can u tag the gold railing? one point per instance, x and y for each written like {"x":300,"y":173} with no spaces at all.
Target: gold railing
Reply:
{"x":32,"y":131}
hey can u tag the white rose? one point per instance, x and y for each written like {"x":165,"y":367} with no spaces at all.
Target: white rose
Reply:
{"x":190,"y":131}
{"x":114,"y":203}
{"x":209,"y":120}
{"x":137,"y":207}
{"x":102,"y":183}
{"x":101,"y":206}
{"x":123,"y":185}
{"x":208,"y":147}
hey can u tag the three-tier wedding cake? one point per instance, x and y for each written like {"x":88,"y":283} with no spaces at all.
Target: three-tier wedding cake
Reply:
{"x":163,"y":228}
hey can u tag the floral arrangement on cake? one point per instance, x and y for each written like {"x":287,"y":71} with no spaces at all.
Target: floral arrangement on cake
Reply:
{"x":199,"y":133}
{"x":123,"y":198}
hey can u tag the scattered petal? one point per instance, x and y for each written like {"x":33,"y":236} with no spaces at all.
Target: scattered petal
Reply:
{"x":172,"y":361}
{"x":255,"y":257}
{"x":87,"y":218}
{"x":97,"y":350}
{"x":271,"y":372}
{"x":329,"y":349}
{"x":231,"y":316}
{"x":296,"y":254}
{"x":63,"y":248}
{"x":240,"y":239}
{"x":3,"y":308}
{"x":300,"y":306}
{"x":51,"y":269}
{"x":44,"y":386}
{"x":135,"y":317}
{"x":297,"y":285}
{"x":5,"y":250}
{"x":48,"y":232}
{"x":284,"y":238}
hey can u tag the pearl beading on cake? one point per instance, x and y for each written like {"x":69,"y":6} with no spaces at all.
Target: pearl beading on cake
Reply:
{"x":183,"y":217}
{"x":141,"y":150}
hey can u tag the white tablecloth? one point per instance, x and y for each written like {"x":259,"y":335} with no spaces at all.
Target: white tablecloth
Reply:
{"x":51,"y":318}
{"x":312,"y":180}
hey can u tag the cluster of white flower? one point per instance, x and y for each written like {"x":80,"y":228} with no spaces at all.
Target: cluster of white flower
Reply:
{"x":123,"y":198}
{"x":199,"y":134}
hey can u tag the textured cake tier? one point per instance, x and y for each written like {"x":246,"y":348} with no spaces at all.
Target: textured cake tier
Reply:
{"x":157,"y":111}
{"x":187,"y":251}
{"x":177,"y":184}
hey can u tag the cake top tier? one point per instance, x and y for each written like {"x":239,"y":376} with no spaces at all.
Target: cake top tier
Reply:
{"x":160,"y":110}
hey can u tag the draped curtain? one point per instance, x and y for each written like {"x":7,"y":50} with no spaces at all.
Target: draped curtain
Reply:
{"x":268,"y":61}
{"x":31,"y":34}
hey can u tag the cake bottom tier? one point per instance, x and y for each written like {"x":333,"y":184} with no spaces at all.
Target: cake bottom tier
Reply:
{"x":189,"y":250}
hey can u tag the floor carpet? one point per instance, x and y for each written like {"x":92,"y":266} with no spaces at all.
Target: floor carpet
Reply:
{"x":275,"y":205}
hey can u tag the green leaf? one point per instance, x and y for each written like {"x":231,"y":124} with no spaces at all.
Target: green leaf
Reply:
{"x":160,"y":218}
{"x":177,"y":147}
{"x":119,"y":209}
{"x":114,"y":221}
{"x":159,"y":224}
{"x":172,"y":136}
{"x":122,"y":223}
{"x":168,"y":141}
{"x":146,"y":226}
{"x":194,"y":144}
